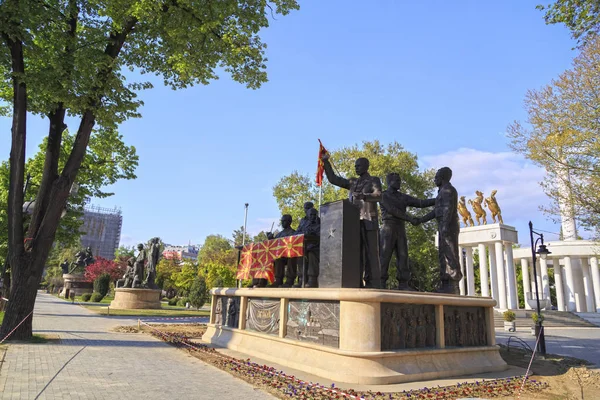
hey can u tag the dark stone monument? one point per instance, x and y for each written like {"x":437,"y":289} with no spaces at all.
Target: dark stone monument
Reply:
{"x":340,"y":245}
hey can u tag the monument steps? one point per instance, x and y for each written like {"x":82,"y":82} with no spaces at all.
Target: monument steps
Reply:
{"x":552,"y":319}
{"x":591,"y":317}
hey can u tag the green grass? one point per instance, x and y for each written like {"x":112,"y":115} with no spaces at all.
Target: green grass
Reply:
{"x":105,"y":300}
{"x":165,"y":312}
{"x":1,"y":317}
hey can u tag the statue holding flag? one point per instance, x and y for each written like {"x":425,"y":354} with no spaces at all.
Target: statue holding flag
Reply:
{"x":364,"y":192}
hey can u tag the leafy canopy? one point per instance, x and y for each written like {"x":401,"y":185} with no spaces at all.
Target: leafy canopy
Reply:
{"x":108,"y":159}
{"x":582,"y":17}
{"x":185,"y":42}
{"x":561,"y":135}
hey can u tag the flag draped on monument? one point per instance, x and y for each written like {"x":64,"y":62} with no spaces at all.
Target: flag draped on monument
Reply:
{"x":256,"y":260}
{"x":320,"y":167}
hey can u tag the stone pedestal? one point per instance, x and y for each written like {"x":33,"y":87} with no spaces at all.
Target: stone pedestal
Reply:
{"x":360,"y":336}
{"x":129,"y":299}
{"x":75,"y":284}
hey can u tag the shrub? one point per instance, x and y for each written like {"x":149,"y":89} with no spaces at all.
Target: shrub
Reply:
{"x":182,"y":300}
{"x":102,"y":284}
{"x":103,"y":266}
{"x":537,"y":317}
{"x":509,"y":316}
{"x":198,"y":292}
{"x":86,"y":297}
{"x":96,"y":297}
{"x":173,"y":301}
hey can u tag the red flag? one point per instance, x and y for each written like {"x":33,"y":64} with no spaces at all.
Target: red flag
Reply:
{"x":320,"y":167}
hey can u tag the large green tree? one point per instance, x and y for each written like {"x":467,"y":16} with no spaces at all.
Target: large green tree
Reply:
{"x":69,"y":57}
{"x":561,"y":135}
{"x":107,"y":160}
{"x":293,"y":190}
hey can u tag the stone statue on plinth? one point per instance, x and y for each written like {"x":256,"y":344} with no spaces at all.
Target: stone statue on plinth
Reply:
{"x":127,"y":280}
{"x":312,"y":227}
{"x":83,"y":258}
{"x":446,"y":214}
{"x":153,"y":255}
{"x":138,"y":267}
{"x":393,"y":232}
{"x":365,"y":192}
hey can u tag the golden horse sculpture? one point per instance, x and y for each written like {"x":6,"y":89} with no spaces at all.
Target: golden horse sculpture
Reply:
{"x":477,"y":204}
{"x":493,"y":206}
{"x":464,"y":212}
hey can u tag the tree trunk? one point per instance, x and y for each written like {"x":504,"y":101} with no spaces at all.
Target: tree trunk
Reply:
{"x":27,"y":262}
{"x":21,"y":303}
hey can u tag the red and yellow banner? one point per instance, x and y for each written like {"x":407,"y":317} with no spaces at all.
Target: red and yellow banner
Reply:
{"x":256,"y":260}
{"x":320,"y":167}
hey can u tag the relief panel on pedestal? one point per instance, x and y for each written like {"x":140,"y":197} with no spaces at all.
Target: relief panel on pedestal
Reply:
{"x":465,"y":326}
{"x":407,"y":326}
{"x":227,"y":311}
{"x":263,"y":316}
{"x":314,"y":321}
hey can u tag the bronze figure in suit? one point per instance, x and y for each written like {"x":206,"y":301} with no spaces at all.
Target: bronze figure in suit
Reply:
{"x":446,"y":214}
{"x":365,"y":193}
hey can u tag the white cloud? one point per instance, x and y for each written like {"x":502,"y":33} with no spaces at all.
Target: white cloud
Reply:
{"x":127,"y":240}
{"x":516,"y":180}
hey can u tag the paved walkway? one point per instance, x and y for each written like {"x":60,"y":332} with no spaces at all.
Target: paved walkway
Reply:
{"x":89,"y":362}
{"x":583,"y":343}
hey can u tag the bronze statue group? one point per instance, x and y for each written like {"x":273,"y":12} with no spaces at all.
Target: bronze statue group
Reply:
{"x":135,"y":276}
{"x":377,"y":245}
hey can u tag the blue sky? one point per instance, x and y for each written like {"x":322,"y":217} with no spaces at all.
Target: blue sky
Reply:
{"x":442,"y":78}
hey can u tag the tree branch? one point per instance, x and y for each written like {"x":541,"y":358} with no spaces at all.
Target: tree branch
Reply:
{"x":56,"y":129}
{"x":17,"y":151}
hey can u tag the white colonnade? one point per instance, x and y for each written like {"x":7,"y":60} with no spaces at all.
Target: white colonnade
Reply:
{"x":576,"y":276}
{"x":494,"y":246}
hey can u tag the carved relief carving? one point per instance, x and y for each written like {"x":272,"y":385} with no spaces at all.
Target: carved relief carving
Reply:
{"x":407,"y":326}
{"x":465,"y":326}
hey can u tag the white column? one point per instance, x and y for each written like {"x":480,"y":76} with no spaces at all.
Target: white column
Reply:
{"x":545,"y":289}
{"x":470,"y":272}
{"x":570,"y":292}
{"x":587,"y":287}
{"x":461,"y":283}
{"x":513,"y":301}
{"x":558,"y":283}
{"x":526,"y":286}
{"x":595,"y":281}
{"x":493,"y":275}
{"x":501,"y":277}
{"x":483,"y":270}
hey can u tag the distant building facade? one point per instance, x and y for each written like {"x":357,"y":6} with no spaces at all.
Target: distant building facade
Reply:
{"x":189,"y":252}
{"x":101,"y":230}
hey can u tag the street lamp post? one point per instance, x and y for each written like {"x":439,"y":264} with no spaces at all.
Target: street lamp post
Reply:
{"x":543,"y":253}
